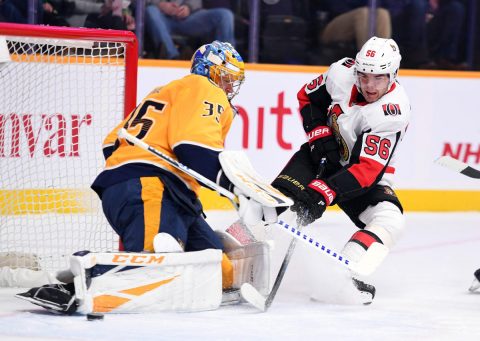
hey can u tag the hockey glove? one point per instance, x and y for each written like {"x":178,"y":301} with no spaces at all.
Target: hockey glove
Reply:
{"x":298,"y":181}
{"x":323,"y":144}
{"x":320,"y":137}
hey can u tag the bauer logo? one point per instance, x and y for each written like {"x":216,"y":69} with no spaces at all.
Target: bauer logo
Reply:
{"x":390,"y":109}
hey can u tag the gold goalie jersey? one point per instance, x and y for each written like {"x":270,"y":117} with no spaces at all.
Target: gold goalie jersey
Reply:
{"x":188,"y":119}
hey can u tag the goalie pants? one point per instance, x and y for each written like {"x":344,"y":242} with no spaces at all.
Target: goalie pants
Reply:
{"x":138,"y":209}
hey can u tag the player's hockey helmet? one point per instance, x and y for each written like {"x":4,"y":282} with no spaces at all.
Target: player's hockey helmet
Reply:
{"x":379,"y":56}
{"x":222,"y":64}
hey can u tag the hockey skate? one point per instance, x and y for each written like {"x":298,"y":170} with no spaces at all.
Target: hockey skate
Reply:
{"x":56,"y":298}
{"x":476,"y":281}
{"x":367,"y":291}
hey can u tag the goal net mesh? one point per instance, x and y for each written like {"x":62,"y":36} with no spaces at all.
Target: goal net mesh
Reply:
{"x":58,"y":100}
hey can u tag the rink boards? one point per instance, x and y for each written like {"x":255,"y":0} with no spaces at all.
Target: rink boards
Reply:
{"x":444,"y":122}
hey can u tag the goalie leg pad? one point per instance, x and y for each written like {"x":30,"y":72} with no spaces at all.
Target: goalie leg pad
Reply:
{"x":147,"y":282}
{"x":251,"y":262}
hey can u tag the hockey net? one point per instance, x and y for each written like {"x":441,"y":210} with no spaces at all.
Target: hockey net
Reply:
{"x":61,"y":92}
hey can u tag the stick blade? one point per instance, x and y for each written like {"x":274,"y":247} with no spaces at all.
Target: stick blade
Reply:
{"x":458,"y":166}
{"x":451,"y":163}
{"x":252,"y":296}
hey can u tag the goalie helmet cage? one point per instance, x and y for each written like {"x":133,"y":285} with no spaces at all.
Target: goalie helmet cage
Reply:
{"x":61,"y":93}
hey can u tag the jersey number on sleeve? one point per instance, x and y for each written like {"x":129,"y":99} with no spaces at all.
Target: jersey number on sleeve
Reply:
{"x":140,"y":117}
{"x":375,"y":146}
{"x":210,"y":110}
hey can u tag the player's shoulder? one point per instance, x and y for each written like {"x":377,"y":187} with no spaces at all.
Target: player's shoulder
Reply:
{"x":391,"y":112}
{"x":342,"y":69}
{"x":203,"y":87}
{"x":340,"y":78}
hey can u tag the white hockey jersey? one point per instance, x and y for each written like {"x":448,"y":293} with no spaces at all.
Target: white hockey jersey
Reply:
{"x":368,"y":134}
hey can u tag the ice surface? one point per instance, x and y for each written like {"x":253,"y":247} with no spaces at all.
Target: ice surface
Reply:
{"x":422,"y":294}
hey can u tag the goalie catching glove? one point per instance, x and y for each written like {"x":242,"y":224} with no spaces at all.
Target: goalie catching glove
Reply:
{"x":252,"y":212}
{"x":257,"y":199}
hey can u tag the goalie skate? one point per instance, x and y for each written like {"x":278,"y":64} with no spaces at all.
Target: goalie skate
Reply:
{"x":56,"y":298}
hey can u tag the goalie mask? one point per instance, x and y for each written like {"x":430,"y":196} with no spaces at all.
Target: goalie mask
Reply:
{"x":378,"y":56}
{"x":222,"y":65}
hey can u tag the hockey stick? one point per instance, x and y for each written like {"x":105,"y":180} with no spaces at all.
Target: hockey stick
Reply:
{"x":212,"y":185}
{"x":458,"y":166}
{"x":249,"y":183}
{"x":365,"y":267}
{"x":250,"y":294}
{"x":180,"y":166}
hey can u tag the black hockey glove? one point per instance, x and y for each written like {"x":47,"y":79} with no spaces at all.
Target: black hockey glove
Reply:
{"x":322,"y":142}
{"x":297,"y":180}
{"x":320,"y":137}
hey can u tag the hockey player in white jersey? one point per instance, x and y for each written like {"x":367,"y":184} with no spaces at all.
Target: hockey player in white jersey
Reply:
{"x":355,"y":115}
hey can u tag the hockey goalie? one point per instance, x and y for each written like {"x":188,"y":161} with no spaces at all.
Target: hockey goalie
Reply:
{"x":173,"y":260}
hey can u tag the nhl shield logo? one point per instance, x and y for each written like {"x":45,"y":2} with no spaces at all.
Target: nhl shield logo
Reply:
{"x":391,"y":109}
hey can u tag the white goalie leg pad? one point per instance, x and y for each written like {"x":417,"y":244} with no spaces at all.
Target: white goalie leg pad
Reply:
{"x":148,"y":282}
{"x":251,"y":262}
{"x":386,"y":222}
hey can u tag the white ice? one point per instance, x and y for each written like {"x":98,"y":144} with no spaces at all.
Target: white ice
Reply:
{"x":421,"y":295}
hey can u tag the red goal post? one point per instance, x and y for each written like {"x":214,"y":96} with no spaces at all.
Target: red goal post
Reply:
{"x":61,"y":91}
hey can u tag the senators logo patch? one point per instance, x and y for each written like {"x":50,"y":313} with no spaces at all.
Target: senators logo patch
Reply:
{"x":391,"y":109}
{"x":334,"y":112}
{"x":349,"y":63}
{"x":387,"y":190}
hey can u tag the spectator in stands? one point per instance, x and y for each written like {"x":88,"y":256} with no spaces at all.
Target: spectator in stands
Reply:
{"x":113,"y":15}
{"x":48,"y":12}
{"x":107,"y":14}
{"x":444,"y":32}
{"x":188,"y":18}
{"x":349,"y":21}
{"x":54,"y":12}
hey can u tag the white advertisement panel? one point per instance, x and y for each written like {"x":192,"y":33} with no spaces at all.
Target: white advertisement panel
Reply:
{"x":444,"y":122}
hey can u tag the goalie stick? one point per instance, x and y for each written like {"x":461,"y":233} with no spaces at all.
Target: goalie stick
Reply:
{"x":458,"y":166}
{"x":249,"y":182}
{"x":122,"y":133}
